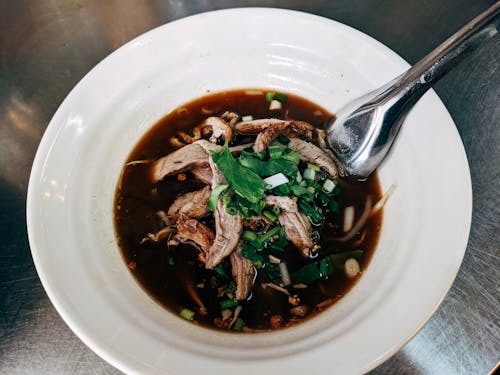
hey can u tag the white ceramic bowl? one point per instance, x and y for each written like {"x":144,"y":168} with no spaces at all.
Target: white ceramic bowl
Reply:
{"x":72,"y":185}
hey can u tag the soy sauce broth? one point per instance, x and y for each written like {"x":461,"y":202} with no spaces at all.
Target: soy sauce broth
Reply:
{"x":167,"y":273}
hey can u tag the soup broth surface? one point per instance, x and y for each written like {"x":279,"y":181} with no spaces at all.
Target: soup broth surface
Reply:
{"x":169,"y":274}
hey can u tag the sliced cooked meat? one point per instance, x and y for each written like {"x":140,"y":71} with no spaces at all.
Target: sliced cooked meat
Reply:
{"x":186,"y":158}
{"x":207,"y":146}
{"x":313,"y":154}
{"x":204,"y":174}
{"x":194,"y":231}
{"x":289,"y":128}
{"x":255,"y":126}
{"x":193,"y":157}
{"x":162,"y":234}
{"x":243,"y":273}
{"x":228,"y":227}
{"x":192,"y":204}
{"x":297,"y":227}
{"x":323,"y":145}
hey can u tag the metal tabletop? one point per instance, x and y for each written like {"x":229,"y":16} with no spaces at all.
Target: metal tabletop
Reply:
{"x":47,"y":46}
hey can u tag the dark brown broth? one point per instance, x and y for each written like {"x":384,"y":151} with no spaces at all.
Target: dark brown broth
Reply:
{"x":137,"y":202}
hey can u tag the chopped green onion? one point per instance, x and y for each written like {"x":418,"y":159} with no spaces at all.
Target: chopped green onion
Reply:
{"x":270,"y":96}
{"x":282,"y":239}
{"x":298,"y":190}
{"x":276,"y":180}
{"x":276,"y":210}
{"x":275,"y":152}
{"x":309,"y":174}
{"x":283,"y":139}
{"x":267,"y":168}
{"x":281,"y":97}
{"x":187,"y":314}
{"x":231,"y":210}
{"x":314,"y":167}
{"x":273,"y":246}
{"x":247,"y":118}
{"x":337,"y":190}
{"x":307,"y":274}
{"x":250,"y":252}
{"x":298,"y":178}
{"x":282,"y":190}
{"x":328,"y":185}
{"x":226,"y":199}
{"x":334,"y":206}
{"x":311,"y":189}
{"x":171,"y":261}
{"x":270,"y":234}
{"x":214,"y":197}
{"x":292,"y":156}
{"x":303,"y":183}
{"x":270,"y":215}
{"x":248,"y":235}
{"x":229,"y":304}
{"x":323,"y":197}
{"x":220,"y":270}
{"x":325,"y":268}
{"x":260,"y":155}
{"x":238,"y":325}
{"x":244,"y":211}
{"x":313,"y":212}
{"x":275,"y":105}
{"x":231,"y":287}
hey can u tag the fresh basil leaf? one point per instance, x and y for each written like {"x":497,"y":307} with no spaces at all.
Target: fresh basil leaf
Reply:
{"x":245,"y":182}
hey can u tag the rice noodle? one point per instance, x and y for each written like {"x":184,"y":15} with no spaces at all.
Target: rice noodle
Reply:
{"x":285,"y":275}
{"x":275,"y":287}
{"x":158,"y":236}
{"x":359,"y":224}
{"x":236,"y":314}
{"x":348,"y":218}
{"x":136,"y":162}
{"x":382,"y":201}
{"x":273,"y":259}
{"x":196,"y":298}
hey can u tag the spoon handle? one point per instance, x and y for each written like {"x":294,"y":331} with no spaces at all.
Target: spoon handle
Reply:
{"x":412,"y":84}
{"x":364,"y":130}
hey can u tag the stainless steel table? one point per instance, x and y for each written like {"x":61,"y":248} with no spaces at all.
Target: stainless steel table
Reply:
{"x":47,"y":46}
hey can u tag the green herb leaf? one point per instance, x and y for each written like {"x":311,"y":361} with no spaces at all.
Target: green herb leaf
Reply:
{"x":229,"y":304}
{"x":245,"y":182}
{"x":269,"y":167}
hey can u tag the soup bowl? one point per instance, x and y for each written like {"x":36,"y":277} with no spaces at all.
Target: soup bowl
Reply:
{"x":77,"y":167}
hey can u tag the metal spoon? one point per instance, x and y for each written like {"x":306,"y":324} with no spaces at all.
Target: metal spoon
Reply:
{"x":363,"y":131}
